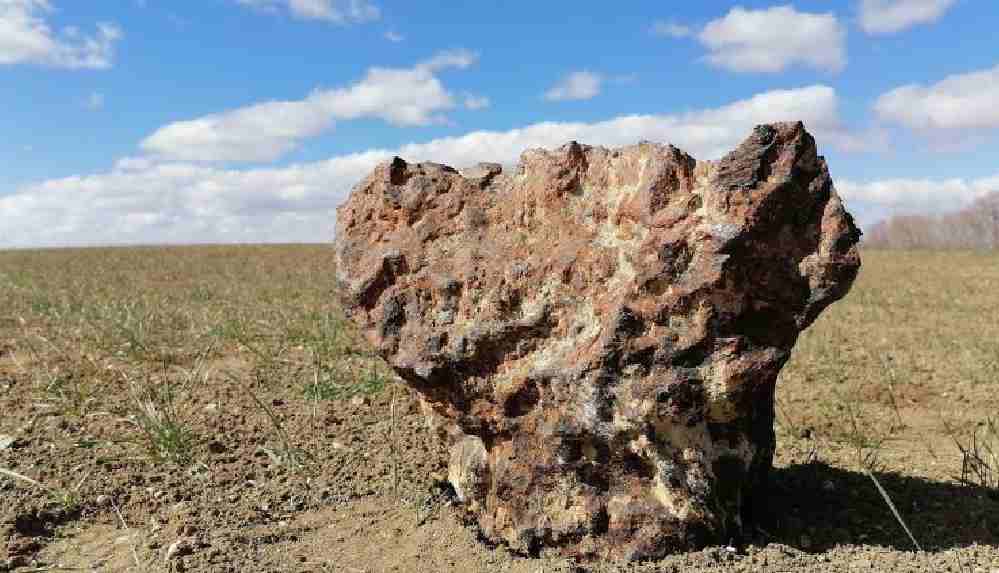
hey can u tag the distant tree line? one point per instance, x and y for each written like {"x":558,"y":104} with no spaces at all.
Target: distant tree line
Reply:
{"x":974,"y":227}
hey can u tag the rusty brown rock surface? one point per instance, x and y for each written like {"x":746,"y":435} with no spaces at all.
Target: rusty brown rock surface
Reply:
{"x":598,"y":333}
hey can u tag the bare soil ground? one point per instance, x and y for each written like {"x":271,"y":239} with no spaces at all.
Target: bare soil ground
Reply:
{"x":207,"y":409}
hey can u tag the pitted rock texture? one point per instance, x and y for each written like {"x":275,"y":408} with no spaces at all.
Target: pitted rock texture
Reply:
{"x":598,"y":333}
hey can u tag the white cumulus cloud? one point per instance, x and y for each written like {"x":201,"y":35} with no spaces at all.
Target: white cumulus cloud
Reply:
{"x":27,"y":38}
{"x":265,"y":131}
{"x":773,"y":39}
{"x":891,"y":16}
{"x":877,"y":200}
{"x":919,"y":194}
{"x":143,"y":200}
{"x":576,"y":86}
{"x":335,"y":11}
{"x":958,"y":102}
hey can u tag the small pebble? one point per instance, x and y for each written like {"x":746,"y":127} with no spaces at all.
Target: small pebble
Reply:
{"x":179,"y":548}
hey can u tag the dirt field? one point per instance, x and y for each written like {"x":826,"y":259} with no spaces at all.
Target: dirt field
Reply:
{"x":207,"y":409}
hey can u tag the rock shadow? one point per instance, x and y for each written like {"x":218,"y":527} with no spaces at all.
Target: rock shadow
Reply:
{"x":814,"y":507}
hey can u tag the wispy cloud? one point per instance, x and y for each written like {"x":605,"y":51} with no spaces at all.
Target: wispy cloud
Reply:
{"x":892,"y":16}
{"x":94,"y":101}
{"x":394,"y":37}
{"x":668,"y":29}
{"x":266,"y":131}
{"x":334,"y":11}
{"x":27,"y":38}
{"x":475,"y":102}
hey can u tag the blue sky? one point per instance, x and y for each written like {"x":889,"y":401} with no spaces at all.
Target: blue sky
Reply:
{"x":149,"y":121}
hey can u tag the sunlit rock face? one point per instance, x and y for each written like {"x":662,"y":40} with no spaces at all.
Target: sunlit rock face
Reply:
{"x":598,"y":332}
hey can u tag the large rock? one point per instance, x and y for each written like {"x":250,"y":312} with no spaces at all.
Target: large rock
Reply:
{"x":598,"y":333}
